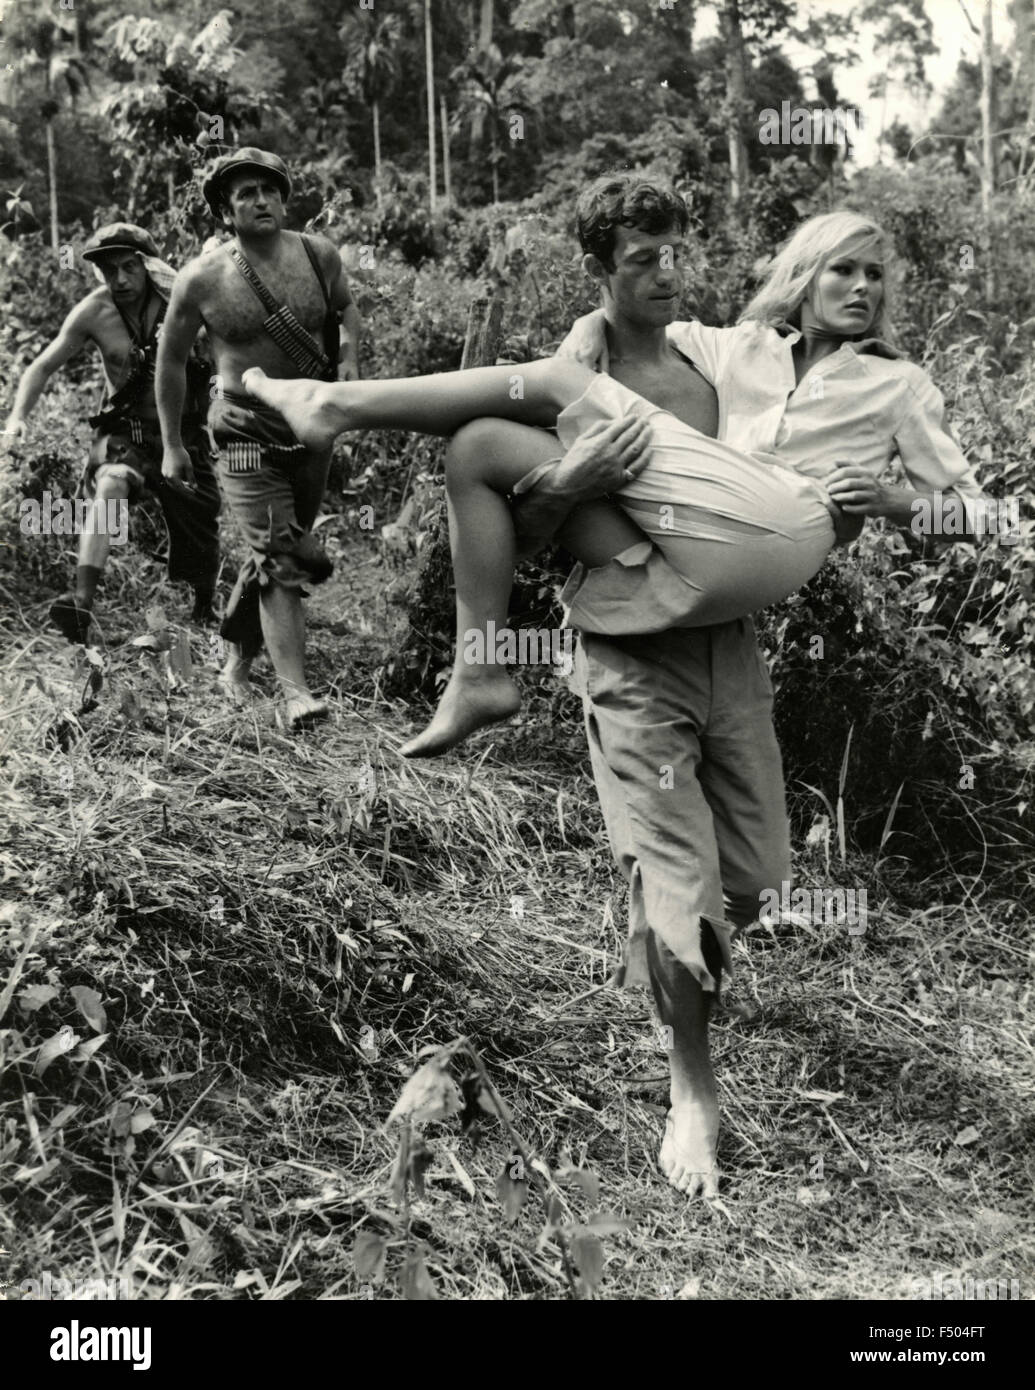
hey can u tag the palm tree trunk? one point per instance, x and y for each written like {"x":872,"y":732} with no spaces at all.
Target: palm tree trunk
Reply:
{"x":495,"y":163}
{"x":430,"y":71}
{"x":485,"y":24}
{"x":52,"y":181}
{"x":733,"y":37}
{"x":482,"y":42}
{"x":1021,"y":182}
{"x":446,"y":171}
{"x":377,"y":152}
{"x":987,"y":142}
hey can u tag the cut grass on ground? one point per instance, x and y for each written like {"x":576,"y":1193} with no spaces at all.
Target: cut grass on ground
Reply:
{"x":275,"y":928}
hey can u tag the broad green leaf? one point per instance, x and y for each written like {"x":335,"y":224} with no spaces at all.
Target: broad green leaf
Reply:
{"x":584,"y":1178}
{"x":368,"y":1256}
{"x":57,"y":1045}
{"x":35,"y":996}
{"x":90,"y":1006}
{"x":416,"y":1281}
{"x":420,"y":1160}
{"x":605,"y":1223}
{"x":430,"y":1094}
{"x":86,"y":1050}
{"x":589,"y":1257}
{"x":512,"y":1192}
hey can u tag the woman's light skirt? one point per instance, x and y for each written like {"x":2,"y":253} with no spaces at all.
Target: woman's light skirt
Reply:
{"x":739,"y":532}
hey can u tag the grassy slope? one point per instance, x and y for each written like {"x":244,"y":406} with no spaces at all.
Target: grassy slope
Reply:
{"x":274,"y":940}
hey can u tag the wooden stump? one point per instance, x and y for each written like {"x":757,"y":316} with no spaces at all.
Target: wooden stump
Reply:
{"x":484,"y":333}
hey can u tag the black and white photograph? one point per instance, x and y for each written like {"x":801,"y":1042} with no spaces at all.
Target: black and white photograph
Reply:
{"x":517,"y":706}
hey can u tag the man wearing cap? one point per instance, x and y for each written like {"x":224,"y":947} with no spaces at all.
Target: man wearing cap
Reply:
{"x":275,"y":299}
{"x":122,"y":318}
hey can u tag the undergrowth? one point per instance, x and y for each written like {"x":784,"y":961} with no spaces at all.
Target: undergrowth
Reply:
{"x":227,"y":951}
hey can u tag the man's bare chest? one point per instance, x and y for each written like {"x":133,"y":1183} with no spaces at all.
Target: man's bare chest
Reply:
{"x":233,"y":311}
{"x":114,"y":343}
{"x":677,"y":388}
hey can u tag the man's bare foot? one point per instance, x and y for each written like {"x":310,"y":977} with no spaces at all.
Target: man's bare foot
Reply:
{"x":466,"y":705}
{"x":687,"y":1155}
{"x":306,"y":405}
{"x":71,"y":619}
{"x":238,"y":692}
{"x":233,"y":681}
{"x":302,"y":710}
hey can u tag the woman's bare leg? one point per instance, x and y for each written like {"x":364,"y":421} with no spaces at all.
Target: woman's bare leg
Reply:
{"x":484,"y":462}
{"x":533,"y":393}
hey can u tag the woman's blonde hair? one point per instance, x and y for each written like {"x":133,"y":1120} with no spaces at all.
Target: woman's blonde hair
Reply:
{"x":800,"y":260}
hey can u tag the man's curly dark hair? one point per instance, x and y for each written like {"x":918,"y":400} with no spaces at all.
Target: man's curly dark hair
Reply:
{"x":625,"y":200}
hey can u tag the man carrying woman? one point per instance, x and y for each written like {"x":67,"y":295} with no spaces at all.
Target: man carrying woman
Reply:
{"x":678,"y":700}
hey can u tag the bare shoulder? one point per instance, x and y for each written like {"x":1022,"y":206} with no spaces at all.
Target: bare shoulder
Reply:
{"x":90,"y":315}
{"x":95,"y":305}
{"x":326,"y":251}
{"x":199,"y":277}
{"x":332,"y":268}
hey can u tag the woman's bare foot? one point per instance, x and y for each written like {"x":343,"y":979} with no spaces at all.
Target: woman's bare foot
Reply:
{"x":307,"y":406}
{"x":466,"y":705}
{"x":687,"y":1155}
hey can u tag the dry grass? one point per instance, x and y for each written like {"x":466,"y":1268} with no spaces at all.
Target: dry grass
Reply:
{"x":277,"y":927}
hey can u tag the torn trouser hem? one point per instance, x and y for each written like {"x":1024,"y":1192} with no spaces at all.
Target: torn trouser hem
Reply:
{"x":634,"y":969}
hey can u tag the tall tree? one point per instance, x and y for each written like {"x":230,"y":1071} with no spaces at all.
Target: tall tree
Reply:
{"x":176,"y":97}
{"x":987,"y":112}
{"x":987,"y":142}
{"x":429,"y":69}
{"x":743,"y":26}
{"x":487,"y":87}
{"x":1024,"y":18}
{"x":904,"y":38}
{"x":486,"y":15}
{"x":51,"y":47}
{"x":733,"y":41}
{"x":372,"y":68}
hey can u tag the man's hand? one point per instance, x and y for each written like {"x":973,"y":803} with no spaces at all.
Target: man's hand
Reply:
{"x":177,"y":469}
{"x":603,"y":459}
{"x":856,"y":491}
{"x":847,"y":528}
{"x":14,"y":433}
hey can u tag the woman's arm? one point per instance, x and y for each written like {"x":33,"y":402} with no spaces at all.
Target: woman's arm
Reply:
{"x":933,"y":462}
{"x":859,"y":493}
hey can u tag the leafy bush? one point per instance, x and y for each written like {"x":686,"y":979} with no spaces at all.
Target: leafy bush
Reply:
{"x":38,"y":290}
{"x":928,"y":659}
